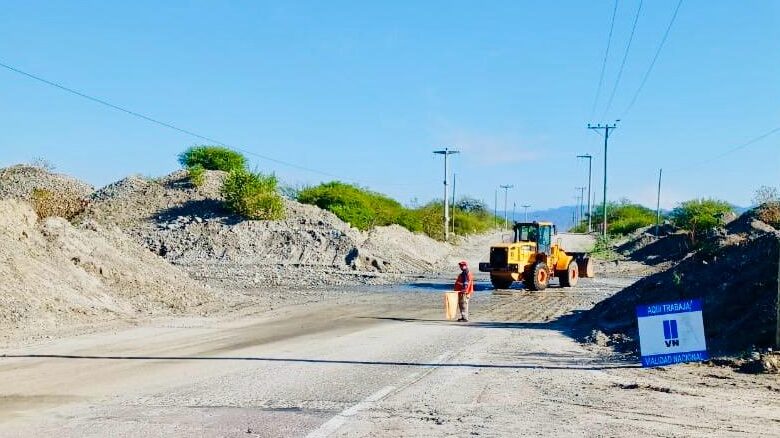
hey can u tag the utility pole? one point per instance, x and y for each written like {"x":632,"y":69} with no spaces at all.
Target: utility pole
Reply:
{"x":606,"y":129}
{"x":658,"y":203}
{"x":453,"y":202}
{"x":514,"y":206}
{"x":581,"y":198}
{"x":574,"y":214}
{"x":589,"y":157}
{"x":526,"y":211}
{"x":446,"y":152}
{"x":506,"y":191}
{"x":495,"y":209}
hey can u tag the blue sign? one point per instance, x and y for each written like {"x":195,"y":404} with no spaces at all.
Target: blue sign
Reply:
{"x":671,"y":333}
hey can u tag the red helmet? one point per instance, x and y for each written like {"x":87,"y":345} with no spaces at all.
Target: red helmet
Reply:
{"x":463,"y":263}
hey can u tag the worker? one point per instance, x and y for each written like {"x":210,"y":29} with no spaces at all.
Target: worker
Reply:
{"x":464,"y":286}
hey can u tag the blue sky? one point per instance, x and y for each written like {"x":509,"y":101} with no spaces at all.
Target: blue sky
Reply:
{"x":366,"y":90}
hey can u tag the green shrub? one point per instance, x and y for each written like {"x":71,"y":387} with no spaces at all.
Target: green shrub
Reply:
{"x":212,"y":158}
{"x":197,"y":174}
{"x":252,"y":195}
{"x":699,"y":215}
{"x":365,"y":209}
{"x":623,"y":217}
{"x":431,"y":217}
{"x":362,"y":208}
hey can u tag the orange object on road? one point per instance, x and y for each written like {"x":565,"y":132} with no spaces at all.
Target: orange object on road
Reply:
{"x":450,"y":305}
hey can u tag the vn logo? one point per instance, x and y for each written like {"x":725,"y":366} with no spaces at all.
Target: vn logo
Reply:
{"x":671,"y":339}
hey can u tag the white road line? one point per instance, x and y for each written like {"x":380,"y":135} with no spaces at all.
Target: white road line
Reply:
{"x":329,"y":427}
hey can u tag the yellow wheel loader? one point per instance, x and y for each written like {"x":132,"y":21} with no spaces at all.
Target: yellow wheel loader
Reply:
{"x":534,"y":259}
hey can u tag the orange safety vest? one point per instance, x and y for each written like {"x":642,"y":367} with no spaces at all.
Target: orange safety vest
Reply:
{"x":469,"y":283}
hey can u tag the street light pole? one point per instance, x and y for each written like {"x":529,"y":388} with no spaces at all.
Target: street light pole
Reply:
{"x":506,"y":191}
{"x":453,"y":202}
{"x":495,"y":208}
{"x":590,"y":173}
{"x":606,"y":129}
{"x":581,"y":205}
{"x":526,"y":211}
{"x":446,"y":152}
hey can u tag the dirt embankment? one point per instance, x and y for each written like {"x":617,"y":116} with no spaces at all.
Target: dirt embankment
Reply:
{"x":734,"y":272}
{"x":189,"y":227}
{"x":19,"y":181}
{"x":54,"y":274}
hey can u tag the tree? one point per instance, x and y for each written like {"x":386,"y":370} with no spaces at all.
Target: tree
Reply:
{"x":697,"y":216}
{"x":471,"y":205}
{"x":623,"y":217}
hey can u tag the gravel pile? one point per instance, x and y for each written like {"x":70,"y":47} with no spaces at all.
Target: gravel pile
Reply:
{"x":734,"y":272}
{"x":189,"y":227}
{"x":19,"y":181}
{"x":55,"y":274}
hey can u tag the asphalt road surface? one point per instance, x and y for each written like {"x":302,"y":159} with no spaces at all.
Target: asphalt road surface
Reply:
{"x":379,"y":362}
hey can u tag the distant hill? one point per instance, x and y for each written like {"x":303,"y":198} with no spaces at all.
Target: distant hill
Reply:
{"x":560,"y":216}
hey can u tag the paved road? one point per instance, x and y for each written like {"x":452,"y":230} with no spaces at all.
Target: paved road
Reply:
{"x":378,"y":364}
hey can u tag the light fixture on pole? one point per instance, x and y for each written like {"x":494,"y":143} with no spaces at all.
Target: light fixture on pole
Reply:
{"x":446,"y":152}
{"x":506,"y":191}
{"x":606,"y":128}
{"x":589,"y":157}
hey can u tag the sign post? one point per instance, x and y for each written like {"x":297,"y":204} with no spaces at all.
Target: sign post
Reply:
{"x":671,"y":333}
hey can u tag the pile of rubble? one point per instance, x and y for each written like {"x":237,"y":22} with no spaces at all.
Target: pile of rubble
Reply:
{"x":53,"y":273}
{"x":190,"y":228}
{"x":735,"y":273}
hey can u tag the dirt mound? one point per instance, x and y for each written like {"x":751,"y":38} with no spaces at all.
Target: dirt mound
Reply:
{"x":55,"y":274}
{"x":405,"y":251}
{"x":644,"y":246}
{"x":18,"y":182}
{"x":735,"y":273}
{"x":189,"y":227}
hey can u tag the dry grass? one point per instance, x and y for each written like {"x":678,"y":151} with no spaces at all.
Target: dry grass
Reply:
{"x":770,"y":214}
{"x":63,"y":204}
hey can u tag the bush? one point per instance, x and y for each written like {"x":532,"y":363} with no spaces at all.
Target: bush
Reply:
{"x":252,"y":195}
{"x":212,"y":158}
{"x":61,"y":204}
{"x":768,"y":201}
{"x":197,"y":174}
{"x":623,"y":217}
{"x":699,"y":215}
{"x":361,"y":207}
{"x":365,"y":209}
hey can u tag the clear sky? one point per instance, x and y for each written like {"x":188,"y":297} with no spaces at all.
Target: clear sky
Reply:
{"x":366,"y":90}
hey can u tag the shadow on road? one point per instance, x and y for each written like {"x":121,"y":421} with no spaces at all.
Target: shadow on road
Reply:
{"x":569,"y":365}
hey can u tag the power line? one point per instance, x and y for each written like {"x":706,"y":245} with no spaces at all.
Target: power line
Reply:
{"x":655,"y":58}
{"x":604,"y":62}
{"x":163,"y":124}
{"x":625,"y":56}
{"x":729,"y":151}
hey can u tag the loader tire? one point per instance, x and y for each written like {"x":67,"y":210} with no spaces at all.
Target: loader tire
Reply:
{"x":570,"y":276}
{"x":501,"y":283}
{"x":586,"y":267}
{"x":539,"y":277}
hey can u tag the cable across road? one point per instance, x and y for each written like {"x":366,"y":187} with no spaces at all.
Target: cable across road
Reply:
{"x":625,"y":57}
{"x":164,"y":124}
{"x":655,"y":58}
{"x":604,"y":62}
{"x":750,"y":142}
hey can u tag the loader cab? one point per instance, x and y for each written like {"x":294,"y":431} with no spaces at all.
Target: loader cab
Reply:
{"x":540,"y":233}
